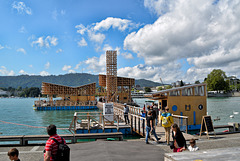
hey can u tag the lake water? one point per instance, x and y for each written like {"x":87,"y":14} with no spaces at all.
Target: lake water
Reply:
{"x":20,"y":111}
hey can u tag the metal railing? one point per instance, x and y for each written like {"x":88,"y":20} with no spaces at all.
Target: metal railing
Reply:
{"x":44,"y":103}
{"x":182,"y":122}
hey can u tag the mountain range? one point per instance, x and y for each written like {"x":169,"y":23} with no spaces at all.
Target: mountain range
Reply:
{"x":73,"y":80}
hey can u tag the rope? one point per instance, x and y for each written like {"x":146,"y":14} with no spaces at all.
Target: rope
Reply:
{"x":29,"y":125}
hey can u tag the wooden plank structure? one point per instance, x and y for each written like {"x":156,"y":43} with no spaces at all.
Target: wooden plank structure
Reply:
{"x":114,"y":88}
{"x":190,"y":101}
{"x":71,"y":96}
{"x":124,"y":87}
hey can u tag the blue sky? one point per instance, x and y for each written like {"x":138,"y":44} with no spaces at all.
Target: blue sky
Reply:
{"x":174,"y":40}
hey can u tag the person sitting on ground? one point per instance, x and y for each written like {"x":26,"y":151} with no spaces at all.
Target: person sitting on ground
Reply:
{"x":150,"y":127}
{"x":192,"y":146}
{"x":13,"y":154}
{"x":51,"y":146}
{"x":179,"y":141}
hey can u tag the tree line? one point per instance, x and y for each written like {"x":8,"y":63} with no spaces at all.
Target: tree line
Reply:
{"x":21,"y":92}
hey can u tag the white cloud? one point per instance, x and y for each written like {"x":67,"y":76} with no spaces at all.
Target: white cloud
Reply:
{"x":206,"y":33}
{"x":47,"y":42}
{"x":21,"y":50}
{"x":47,"y":65}
{"x":71,"y":71}
{"x":120,"y":24}
{"x":82,"y":42}
{"x":5,"y":72}
{"x":22,"y":30}
{"x":30,"y":65}
{"x":96,"y":37}
{"x":78,"y":65}
{"x":127,"y":55}
{"x":96,"y":65}
{"x":169,"y":73}
{"x":94,"y":30}
{"x":66,"y":67}
{"x":1,"y":47}
{"x":21,"y":8}
{"x":44,"y":73}
{"x":59,"y":51}
{"x":81,"y":29}
{"x":22,"y":72}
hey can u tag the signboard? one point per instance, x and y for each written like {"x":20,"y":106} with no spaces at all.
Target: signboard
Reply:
{"x":207,"y":125}
{"x":108,"y":111}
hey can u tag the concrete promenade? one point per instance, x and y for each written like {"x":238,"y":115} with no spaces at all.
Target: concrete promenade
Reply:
{"x":131,"y":150}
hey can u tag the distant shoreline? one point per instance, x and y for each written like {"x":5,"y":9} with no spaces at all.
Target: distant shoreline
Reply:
{"x":232,"y":94}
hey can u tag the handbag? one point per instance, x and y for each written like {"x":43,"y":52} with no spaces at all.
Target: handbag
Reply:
{"x":172,"y":145}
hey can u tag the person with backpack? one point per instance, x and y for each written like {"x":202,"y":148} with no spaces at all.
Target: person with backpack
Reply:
{"x":167,"y":121}
{"x":56,"y":148}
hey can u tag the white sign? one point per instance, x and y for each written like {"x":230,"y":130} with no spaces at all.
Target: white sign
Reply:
{"x":108,"y":111}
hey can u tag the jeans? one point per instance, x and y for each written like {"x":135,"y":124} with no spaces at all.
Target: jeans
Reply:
{"x":126,"y":118}
{"x":148,"y":129}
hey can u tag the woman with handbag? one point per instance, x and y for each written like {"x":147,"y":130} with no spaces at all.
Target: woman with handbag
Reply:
{"x":179,"y":142}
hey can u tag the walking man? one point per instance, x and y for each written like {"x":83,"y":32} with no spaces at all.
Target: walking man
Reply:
{"x":150,"y":127}
{"x":167,"y":121}
{"x":51,"y":146}
{"x":126,"y":110}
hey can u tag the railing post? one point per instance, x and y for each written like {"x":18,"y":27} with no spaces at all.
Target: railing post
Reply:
{"x":103,"y":122}
{"x":139,"y":125}
{"x":143,"y":127}
{"x":131,"y":124}
{"x":88,"y":123}
{"x":135,"y":123}
{"x":118,"y":123}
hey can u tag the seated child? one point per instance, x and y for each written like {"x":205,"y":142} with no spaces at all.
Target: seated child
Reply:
{"x":193,"y":146}
{"x":13,"y":154}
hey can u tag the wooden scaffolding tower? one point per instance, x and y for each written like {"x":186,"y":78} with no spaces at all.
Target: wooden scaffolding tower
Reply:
{"x":111,"y":75}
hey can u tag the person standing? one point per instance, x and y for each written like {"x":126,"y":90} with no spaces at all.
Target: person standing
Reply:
{"x":179,"y":141}
{"x":167,"y":121}
{"x":150,"y":127}
{"x":126,"y":111}
{"x":51,"y":146}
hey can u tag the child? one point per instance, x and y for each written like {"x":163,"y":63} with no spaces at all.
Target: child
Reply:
{"x":193,"y":146}
{"x":13,"y":154}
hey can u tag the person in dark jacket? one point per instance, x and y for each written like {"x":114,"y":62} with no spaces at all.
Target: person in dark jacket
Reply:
{"x":179,"y":141}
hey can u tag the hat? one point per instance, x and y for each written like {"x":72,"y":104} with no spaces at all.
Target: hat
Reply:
{"x":125,"y":104}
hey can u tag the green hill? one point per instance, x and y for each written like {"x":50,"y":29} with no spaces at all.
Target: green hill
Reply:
{"x":73,"y":79}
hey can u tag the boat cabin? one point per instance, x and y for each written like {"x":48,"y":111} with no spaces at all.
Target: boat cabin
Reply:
{"x":190,"y":101}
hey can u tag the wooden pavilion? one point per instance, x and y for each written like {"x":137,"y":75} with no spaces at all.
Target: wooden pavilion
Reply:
{"x":71,"y":96}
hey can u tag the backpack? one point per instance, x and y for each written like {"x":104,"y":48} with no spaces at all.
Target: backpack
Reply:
{"x":63,"y":152}
{"x":164,"y":121}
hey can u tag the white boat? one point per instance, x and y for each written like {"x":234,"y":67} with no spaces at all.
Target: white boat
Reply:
{"x":235,"y":112}
{"x":231,"y":116}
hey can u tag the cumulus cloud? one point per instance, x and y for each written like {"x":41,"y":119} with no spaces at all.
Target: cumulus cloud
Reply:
{"x":5,"y":72}
{"x":206,"y":33}
{"x":21,"y":50}
{"x":120,"y":24}
{"x":66,"y":67}
{"x":95,"y":64}
{"x":94,"y":30}
{"x":82,"y":42}
{"x":44,"y":73}
{"x":47,"y":42}
{"x":22,"y":72}
{"x":168,"y":73}
{"x":47,"y":65}
{"x":21,"y":8}
{"x":127,"y":55}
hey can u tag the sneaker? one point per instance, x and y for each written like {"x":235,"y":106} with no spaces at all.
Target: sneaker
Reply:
{"x":147,"y":142}
{"x":158,"y":139}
